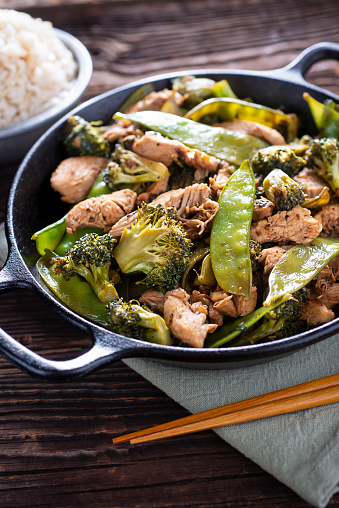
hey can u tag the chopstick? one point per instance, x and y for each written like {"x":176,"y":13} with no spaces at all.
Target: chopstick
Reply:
{"x":303,"y":396}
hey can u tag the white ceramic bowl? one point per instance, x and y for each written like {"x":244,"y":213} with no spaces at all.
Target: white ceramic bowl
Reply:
{"x":15,"y":141}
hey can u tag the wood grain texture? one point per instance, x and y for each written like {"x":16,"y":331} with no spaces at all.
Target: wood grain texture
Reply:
{"x":55,"y":439}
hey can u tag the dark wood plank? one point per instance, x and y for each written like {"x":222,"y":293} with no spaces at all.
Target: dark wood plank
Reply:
{"x":55,"y":439}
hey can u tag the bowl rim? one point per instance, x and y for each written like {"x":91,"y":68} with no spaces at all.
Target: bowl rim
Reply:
{"x":84,"y":73}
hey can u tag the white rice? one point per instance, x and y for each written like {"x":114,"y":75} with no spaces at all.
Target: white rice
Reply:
{"x":36,"y":69}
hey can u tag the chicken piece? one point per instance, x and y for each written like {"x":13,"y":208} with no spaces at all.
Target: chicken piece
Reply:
{"x":184,"y":200}
{"x":156,"y":147}
{"x":74,"y":176}
{"x":262,"y":208}
{"x":200,"y":219}
{"x":155,"y":300}
{"x":153,"y":191}
{"x":328,"y":292}
{"x":218,"y":181}
{"x":296,"y":225}
{"x":254,"y":129}
{"x":214,"y":315}
{"x":316,"y":313}
{"x":328,"y":217}
{"x":154,"y":101}
{"x":188,"y":326}
{"x":244,"y":306}
{"x":118,"y":130}
{"x":101,"y":212}
{"x":270,"y":257}
{"x":311,"y":182}
{"x":223,"y":302}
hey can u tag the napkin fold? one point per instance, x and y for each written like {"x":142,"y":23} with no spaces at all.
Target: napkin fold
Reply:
{"x":300,"y":449}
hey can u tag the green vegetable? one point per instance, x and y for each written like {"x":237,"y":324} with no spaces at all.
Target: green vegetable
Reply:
{"x":50,"y":236}
{"x":323,"y":156}
{"x":233,"y":147}
{"x":86,"y":138}
{"x":139,"y":94}
{"x":207,"y":277}
{"x":75,"y":293}
{"x":255,"y":249}
{"x":282,"y":190}
{"x":99,"y":187}
{"x":230,"y":253}
{"x":126,"y":169}
{"x":90,"y":257}
{"x":68,"y":240}
{"x":198,"y":255}
{"x":227,"y":110}
{"x":195,"y":90}
{"x":133,"y":320}
{"x":156,"y":245}
{"x":326,"y":118}
{"x":299,"y":265}
{"x":229,"y":331}
{"x":286,"y":159}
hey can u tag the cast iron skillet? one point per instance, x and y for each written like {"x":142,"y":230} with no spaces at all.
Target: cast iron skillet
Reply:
{"x":32,"y":205}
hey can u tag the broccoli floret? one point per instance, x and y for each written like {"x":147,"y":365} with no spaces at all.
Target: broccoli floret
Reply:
{"x":323,"y":156}
{"x":255,"y":249}
{"x":90,"y":257}
{"x":282,"y":190}
{"x":194,"y":90}
{"x":156,"y":245}
{"x":267,"y":159}
{"x":133,"y":320}
{"x":283,"y":321}
{"x":86,"y":138}
{"x":126,"y":169}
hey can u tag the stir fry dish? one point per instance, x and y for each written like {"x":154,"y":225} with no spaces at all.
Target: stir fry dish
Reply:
{"x":197,"y":218}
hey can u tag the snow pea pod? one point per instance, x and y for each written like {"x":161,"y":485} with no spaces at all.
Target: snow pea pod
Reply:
{"x":326,"y":118}
{"x":234,"y":147}
{"x":49,"y":237}
{"x":228,"y":109}
{"x":76,"y":293}
{"x":299,"y":265}
{"x":230,"y":233}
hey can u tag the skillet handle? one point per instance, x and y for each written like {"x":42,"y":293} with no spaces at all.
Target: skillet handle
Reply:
{"x":300,"y":65}
{"x":107,"y":346}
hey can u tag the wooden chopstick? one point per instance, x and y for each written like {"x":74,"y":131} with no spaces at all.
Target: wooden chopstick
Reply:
{"x":303,"y":396}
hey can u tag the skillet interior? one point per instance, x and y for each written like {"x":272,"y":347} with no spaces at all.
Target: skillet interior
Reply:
{"x":33,"y":204}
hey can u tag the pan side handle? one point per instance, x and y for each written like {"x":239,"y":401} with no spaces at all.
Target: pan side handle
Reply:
{"x":297,"y":69}
{"x":107,"y":346}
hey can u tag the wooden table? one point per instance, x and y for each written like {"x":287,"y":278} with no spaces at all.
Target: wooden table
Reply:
{"x":55,"y":439}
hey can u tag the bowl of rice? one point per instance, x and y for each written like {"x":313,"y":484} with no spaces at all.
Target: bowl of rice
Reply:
{"x":43,"y":73}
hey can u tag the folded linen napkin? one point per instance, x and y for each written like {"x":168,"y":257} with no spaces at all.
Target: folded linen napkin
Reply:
{"x":300,"y":449}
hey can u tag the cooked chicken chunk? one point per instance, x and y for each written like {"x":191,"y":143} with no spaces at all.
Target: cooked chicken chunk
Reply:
{"x":156,"y":147}
{"x":214,"y":316}
{"x":328,"y":217}
{"x":153,"y":191}
{"x":154,"y":299}
{"x":74,"y":176}
{"x":262,"y":208}
{"x":316,"y":313}
{"x":101,"y":212}
{"x":218,"y":182}
{"x":296,"y":225}
{"x":254,"y":129}
{"x":328,"y":292}
{"x":234,"y":305}
{"x":154,"y":101}
{"x":186,"y":201}
{"x":312,"y":183}
{"x":118,"y":130}
{"x":199,"y":219}
{"x":186,"y":323}
{"x":270,"y":257}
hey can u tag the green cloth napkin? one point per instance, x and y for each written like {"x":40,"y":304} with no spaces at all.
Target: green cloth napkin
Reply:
{"x":300,"y":449}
